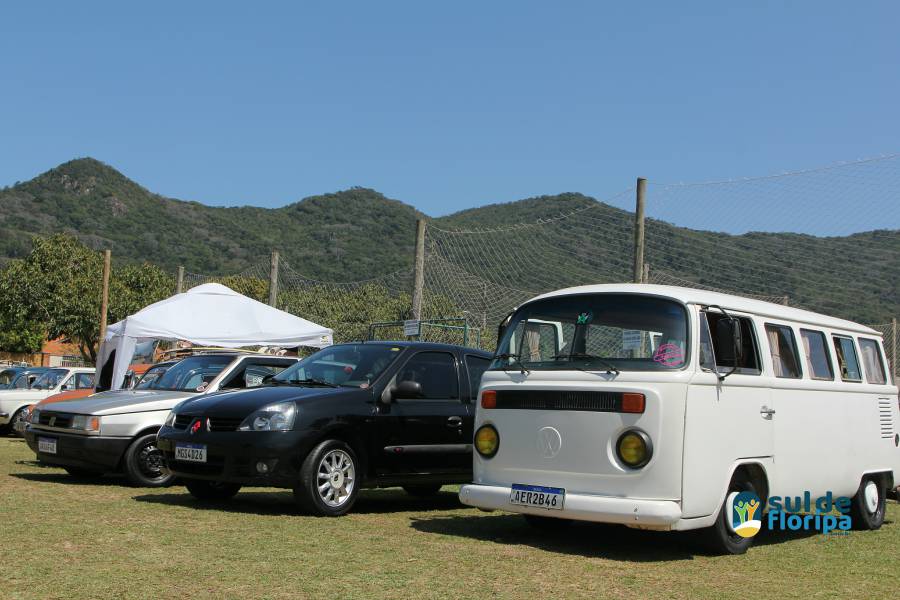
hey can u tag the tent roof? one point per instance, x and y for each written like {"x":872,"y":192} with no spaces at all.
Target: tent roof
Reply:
{"x":214,"y":315}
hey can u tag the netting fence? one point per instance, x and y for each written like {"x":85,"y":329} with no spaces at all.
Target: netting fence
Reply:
{"x":735,"y":236}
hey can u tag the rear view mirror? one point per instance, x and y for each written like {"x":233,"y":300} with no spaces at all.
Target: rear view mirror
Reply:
{"x":729,"y":343}
{"x":407,"y":390}
{"x":267,"y":379}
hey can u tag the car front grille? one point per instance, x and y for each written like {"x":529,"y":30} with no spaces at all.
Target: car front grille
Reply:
{"x":224,"y":423}
{"x":559,"y":400}
{"x":182,"y":421}
{"x":55,"y":419}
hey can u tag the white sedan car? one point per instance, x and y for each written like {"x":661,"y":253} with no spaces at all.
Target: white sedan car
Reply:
{"x":13,"y":403}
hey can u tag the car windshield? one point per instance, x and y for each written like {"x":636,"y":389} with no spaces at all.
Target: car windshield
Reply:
{"x":192,"y":374}
{"x":7,"y":376}
{"x":348,"y":365}
{"x":49,"y":380}
{"x":23,"y":380}
{"x":150,"y":377}
{"x":595,"y":332}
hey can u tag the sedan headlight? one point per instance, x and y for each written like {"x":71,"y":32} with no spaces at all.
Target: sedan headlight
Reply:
{"x":170,"y":420}
{"x":86,"y":423}
{"x":274,"y":417}
{"x":34,"y":416}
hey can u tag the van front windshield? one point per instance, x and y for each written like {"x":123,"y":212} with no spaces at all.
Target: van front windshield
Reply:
{"x":596,"y":332}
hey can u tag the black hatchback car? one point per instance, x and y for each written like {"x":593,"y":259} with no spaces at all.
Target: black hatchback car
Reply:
{"x":368,"y":414}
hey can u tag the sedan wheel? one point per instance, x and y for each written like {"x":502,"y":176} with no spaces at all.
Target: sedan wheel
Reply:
{"x":328,"y":480}
{"x":144,"y":463}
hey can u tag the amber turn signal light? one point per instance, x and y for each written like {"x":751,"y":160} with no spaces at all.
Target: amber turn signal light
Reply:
{"x":632,"y":403}
{"x":489,"y":399}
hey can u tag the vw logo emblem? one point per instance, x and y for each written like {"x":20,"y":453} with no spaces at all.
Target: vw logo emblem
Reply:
{"x":549,"y":442}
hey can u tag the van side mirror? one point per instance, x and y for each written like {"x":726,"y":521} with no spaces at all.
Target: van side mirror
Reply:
{"x":729,"y":343}
{"x":407,"y":390}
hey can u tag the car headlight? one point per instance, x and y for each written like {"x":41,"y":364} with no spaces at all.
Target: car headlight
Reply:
{"x":86,"y":423}
{"x":634,"y":448}
{"x":170,"y":419}
{"x":34,"y":416}
{"x":274,"y":417}
{"x":487,"y":441}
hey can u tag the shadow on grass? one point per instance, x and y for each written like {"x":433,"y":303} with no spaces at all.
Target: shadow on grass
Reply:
{"x":65,"y":478}
{"x":255,"y":502}
{"x":612,"y":542}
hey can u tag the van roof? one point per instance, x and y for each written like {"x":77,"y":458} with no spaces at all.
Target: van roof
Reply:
{"x":726,"y":301}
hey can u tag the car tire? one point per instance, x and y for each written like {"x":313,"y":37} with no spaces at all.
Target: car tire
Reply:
{"x":867,"y":507}
{"x":212,"y":491}
{"x":422,"y":491}
{"x":329,"y":480}
{"x":720,"y":539}
{"x":546,"y":523}
{"x":19,"y":415}
{"x":82,"y":473}
{"x":144,"y":463}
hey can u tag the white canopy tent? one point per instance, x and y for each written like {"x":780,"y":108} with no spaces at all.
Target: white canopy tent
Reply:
{"x":207,"y":315}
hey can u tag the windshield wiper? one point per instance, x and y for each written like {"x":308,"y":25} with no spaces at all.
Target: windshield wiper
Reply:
{"x":515,"y":360}
{"x":610,"y":368}
{"x":309,"y":381}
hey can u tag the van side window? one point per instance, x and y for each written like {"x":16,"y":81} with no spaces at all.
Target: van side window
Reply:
{"x":783,"y":347}
{"x":748,"y":362}
{"x":818,"y":363}
{"x":872,"y":361}
{"x":847,"y":361}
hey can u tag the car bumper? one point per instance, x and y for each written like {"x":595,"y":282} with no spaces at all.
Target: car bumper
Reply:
{"x":233,"y":456}
{"x":582,"y":507}
{"x":4,"y":418}
{"x":92,"y":452}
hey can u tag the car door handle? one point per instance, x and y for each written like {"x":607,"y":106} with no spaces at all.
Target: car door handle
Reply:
{"x":768,"y":412}
{"x":454,"y":421}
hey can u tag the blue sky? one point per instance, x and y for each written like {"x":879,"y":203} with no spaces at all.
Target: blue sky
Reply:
{"x":452,"y":105}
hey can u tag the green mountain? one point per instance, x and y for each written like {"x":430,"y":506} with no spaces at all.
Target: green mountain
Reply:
{"x":358,"y":234}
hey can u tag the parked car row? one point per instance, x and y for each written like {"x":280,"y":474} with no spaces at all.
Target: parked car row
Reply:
{"x":31,"y":385}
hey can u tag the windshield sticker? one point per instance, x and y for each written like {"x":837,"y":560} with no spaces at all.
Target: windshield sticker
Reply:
{"x":669,"y":355}
{"x":585,"y":318}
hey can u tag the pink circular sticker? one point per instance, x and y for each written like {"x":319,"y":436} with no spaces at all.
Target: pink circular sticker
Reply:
{"x":669,"y":355}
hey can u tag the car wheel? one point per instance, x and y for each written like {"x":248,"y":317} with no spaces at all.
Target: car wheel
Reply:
{"x":867,"y":505}
{"x":18,"y":417}
{"x":211,"y":491}
{"x":144,"y":464}
{"x":82,"y":473}
{"x":329,"y":482}
{"x":721,"y":537}
{"x":546,"y":523}
{"x":422,"y":491}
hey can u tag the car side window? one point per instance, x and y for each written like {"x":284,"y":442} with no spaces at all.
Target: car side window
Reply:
{"x":783,"y":348}
{"x":818,"y":363}
{"x":69,"y":384}
{"x":476,"y":366}
{"x":872,"y":361}
{"x":84,"y":381}
{"x":435,"y":372}
{"x":848,"y":363}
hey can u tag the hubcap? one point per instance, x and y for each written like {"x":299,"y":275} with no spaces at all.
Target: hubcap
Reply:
{"x":336,"y":477}
{"x":871,"y":497}
{"x":150,"y":461}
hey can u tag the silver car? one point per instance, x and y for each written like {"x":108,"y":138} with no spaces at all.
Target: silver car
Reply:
{"x":116,"y":431}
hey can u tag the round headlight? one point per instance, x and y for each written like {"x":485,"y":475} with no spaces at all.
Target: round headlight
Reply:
{"x":634,"y":448}
{"x":487,"y":441}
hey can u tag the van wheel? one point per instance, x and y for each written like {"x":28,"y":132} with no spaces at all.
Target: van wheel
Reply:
{"x":421,"y":491}
{"x":721,"y":537}
{"x":546,"y":523}
{"x":144,"y":463}
{"x":329,"y":481}
{"x":211,"y":491}
{"x":867,"y":505}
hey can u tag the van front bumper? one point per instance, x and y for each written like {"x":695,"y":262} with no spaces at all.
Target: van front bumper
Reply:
{"x":658,"y":514}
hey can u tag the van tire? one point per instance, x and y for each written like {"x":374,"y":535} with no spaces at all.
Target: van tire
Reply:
{"x":719,"y":539}
{"x":318,"y":462}
{"x":144,"y":464}
{"x":211,"y":491}
{"x":871,"y":492}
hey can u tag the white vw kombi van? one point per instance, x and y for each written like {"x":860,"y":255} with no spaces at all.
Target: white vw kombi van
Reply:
{"x":653,"y":406}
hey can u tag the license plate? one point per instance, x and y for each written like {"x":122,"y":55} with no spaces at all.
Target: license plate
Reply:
{"x":190,"y":452}
{"x":537,"y":496}
{"x":47,"y":445}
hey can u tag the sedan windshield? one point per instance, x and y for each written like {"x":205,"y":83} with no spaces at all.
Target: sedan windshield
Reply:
{"x":150,"y":377}
{"x":350,"y":365}
{"x":193,"y":374}
{"x":49,"y":380}
{"x":595,"y":332}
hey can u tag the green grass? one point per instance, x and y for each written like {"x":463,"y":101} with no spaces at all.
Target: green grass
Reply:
{"x":67,"y":538}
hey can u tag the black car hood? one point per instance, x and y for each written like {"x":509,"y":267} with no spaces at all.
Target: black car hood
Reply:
{"x":241,"y":403}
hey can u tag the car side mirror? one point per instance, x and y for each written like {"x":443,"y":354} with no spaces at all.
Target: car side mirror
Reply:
{"x":407,"y":390}
{"x":267,"y":379}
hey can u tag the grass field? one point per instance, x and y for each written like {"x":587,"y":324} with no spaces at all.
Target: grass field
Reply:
{"x":68,"y":538}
